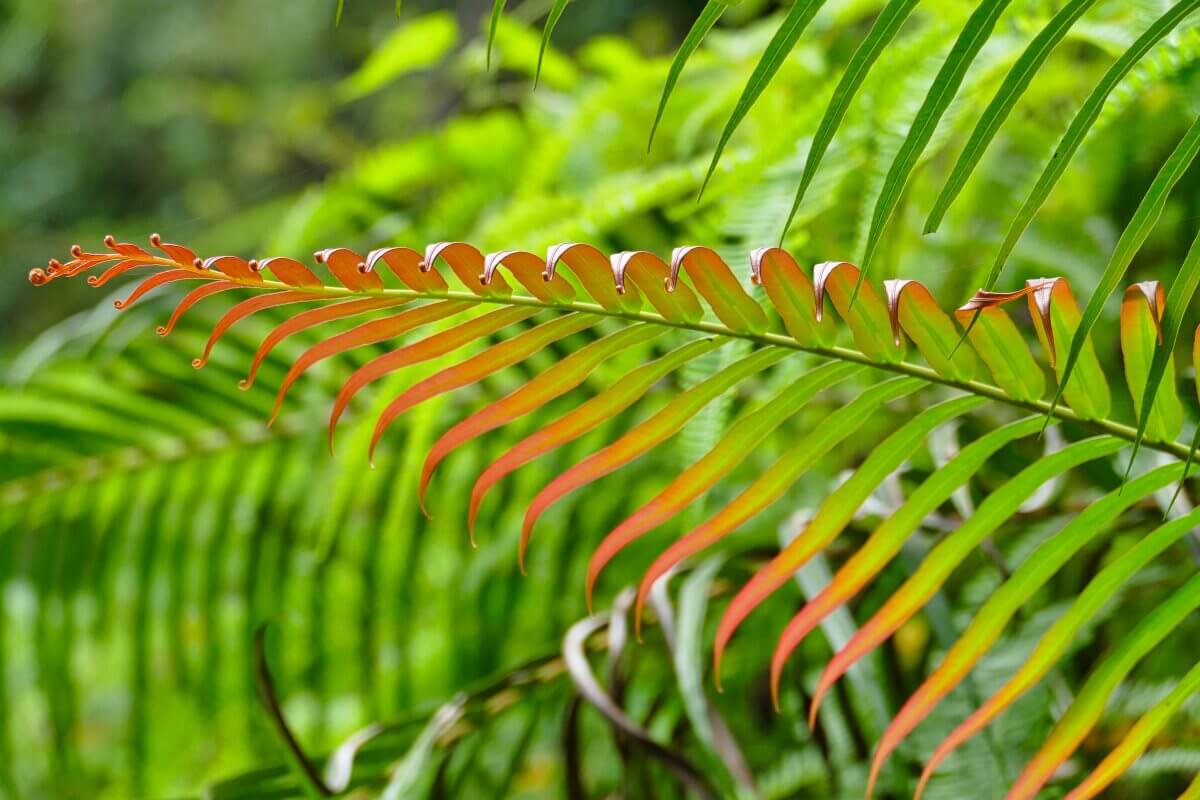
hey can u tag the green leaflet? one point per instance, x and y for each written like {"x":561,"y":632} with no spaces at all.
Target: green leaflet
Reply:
{"x":774,"y":482}
{"x":1089,"y":703}
{"x":1015,"y":84}
{"x":836,"y":511}
{"x":1139,"y":344}
{"x":1001,"y":346}
{"x":950,"y":552}
{"x":493,"y":24}
{"x":556,"y":13}
{"x":1055,"y":641}
{"x":1039,"y":567}
{"x":1081,"y":125}
{"x":882,"y":32}
{"x":1001,"y":504}
{"x":1179,"y":297}
{"x":709,"y":15}
{"x":885,"y":542}
{"x":781,"y":45}
{"x":1144,"y":219}
{"x":1134,"y":743}
{"x":970,"y":41}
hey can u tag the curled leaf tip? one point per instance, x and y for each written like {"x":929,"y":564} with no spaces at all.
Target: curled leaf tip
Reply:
{"x":37,"y":277}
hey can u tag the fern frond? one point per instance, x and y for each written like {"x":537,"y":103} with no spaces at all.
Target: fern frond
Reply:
{"x":621,"y":304}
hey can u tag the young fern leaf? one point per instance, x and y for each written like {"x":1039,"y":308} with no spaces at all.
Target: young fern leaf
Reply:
{"x":1080,"y":126}
{"x":1144,"y":219}
{"x":639,"y":298}
{"x":882,"y":32}
{"x":1015,"y":83}
{"x":970,"y":41}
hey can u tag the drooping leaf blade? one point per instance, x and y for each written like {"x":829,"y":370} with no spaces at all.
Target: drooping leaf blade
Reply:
{"x":1138,"y":739}
{"x":1058,"y":637}
{"x":742,"y":437}
{"x":1089,"y":704}
{"x":1140,"y":225}
{"x":554,"y":382}
{"x":493,"y":24}
{"x":480,"y":366}
{"x":770,"y":486}
{"x":780,"y":46}
{"x":949,"y":553}
{"x":582,"y":419}
{"x":1001,"y":605}
{"x":646,"y":435}
{"x":887,"y":540}
{"x":556,"y":12}
{"x":1084,"y":119}
{"x":708,"y":17}
{"x":835,"y":512}
{"x":1027,"y":66}
{"x":873,"y":45}
{"x":970,"y":41}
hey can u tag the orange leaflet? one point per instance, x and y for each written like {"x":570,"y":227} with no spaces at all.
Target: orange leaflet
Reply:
{"x":646,"y":435}
{"x":310,"y":319}
{"x":555,"y":381}
{"x":377,"y":330}
{"x":575,"y":423}
{"x":437,"y":345}
{"x":742,"y":437}
{"x":244,"y":309}
{"x":481,"y":365}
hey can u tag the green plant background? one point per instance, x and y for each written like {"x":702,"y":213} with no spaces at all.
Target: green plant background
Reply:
{"x":149,"y":522}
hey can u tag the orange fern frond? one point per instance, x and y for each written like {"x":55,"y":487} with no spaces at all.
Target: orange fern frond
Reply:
{"x":515,"y":304}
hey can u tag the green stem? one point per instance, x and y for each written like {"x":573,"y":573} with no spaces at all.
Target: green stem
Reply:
{"x":1177,"y":449}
